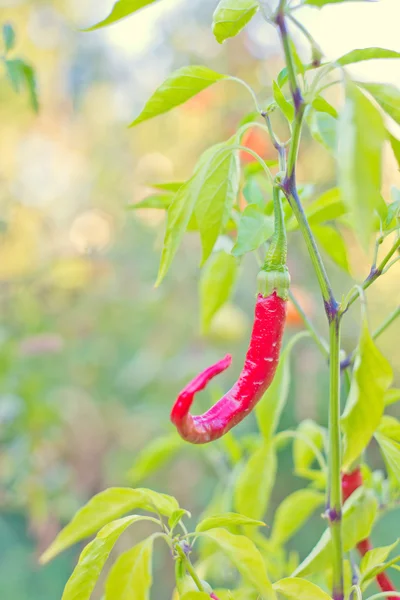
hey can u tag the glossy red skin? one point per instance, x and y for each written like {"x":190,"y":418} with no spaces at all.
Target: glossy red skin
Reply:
{"x":259,"y":368}
{"x":351,"y":482}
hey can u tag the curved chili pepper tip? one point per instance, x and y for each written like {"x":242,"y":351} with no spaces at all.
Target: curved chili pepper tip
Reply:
{"x":185,"y":398}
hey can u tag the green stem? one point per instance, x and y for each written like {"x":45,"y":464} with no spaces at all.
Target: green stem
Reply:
{"x":334,"y":492}
{"x":189,"y":568}
{"x":277,"y":251}
{"x":373,"y":276}
{"x":386,"y":323}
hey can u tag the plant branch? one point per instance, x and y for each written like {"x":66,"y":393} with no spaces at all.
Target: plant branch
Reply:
{"x":189,"y":567}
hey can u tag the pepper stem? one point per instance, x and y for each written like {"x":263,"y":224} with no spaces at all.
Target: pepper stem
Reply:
{"x":274,"y":275}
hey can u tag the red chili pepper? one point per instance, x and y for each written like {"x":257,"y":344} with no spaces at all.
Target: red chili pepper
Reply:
{"x":351,"y":482}
{"x":262,"y":355}
{"x":259,"y":369}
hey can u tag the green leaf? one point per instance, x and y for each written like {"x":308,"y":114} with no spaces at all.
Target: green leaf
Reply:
{"x":179,"y":87}
{"x":392,"y":396}
{"x":358,"y":517}
{"x":296,"y":588}
{"x":293,"y":512}
{"x":393,"y":213}
{"x":246,"y":558}
{"x":362,"y":54}
{"x":253,"y":192}
{"x":154,"y":456}
{"x":255,"y":482}
{"x":311,"y":436}
{"x":372,"y":375}
{"x":361,"y":137}
{"x":380,"y":568}
{"x":14,"y":69}
{"x":215,"y":188}
{"x":216,"y":285}
{"x":177,"y":516}
{"x":162,"y":201}
{"x":323,"y":128}
{"x":8,"y":37}
{"x":227,"y":520}
{"x":387,"y":96}
{"x":374,"y":558}
{"x":121,"y":10}
{"x":321,"y":105}
{"x":254,"y":229}
{"x":333,"y":244}
{"x":285,"y":106}
{"x":105,"y":507}
{"x":92,"y":559}
{"x":269,"y":409}
{"x":390,"y":427}
{"x":328,"y":207}
{"x":130,"y":577}
{"x":231,"y":16}
{"x":391,"y":453}
{"x":321,"y":3}
{"x":19,"y":74}
{"x":395,"y":143}
{"x":178,"y":218}
{"x":169,"y":186}
{"x":195,"y":596}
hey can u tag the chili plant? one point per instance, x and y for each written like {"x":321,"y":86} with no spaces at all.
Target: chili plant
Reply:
{"x":348,"y":493}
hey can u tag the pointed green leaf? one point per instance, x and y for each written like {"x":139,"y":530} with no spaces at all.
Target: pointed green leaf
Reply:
{"x":177,"y":516}
{"x":321,"y":105}
{"x":333,"y":244}
{"x":121,"y":10}
{"x":328,"y":207}
{"x":254,"y":229}
{"x":395,"y":143}
{"x":310,"y":438}
{"x":392,"y":396}
{"x":391,"y":453}
{"x":130,"y":577}
{"x":387,"y":96}
{"x":161,"y":201}
{"x":361,"y":137}
{"x":8,"y":37}
{"x":215,"y":188}
{"x":154,"y":456}
{"x":321,"y":3}
{"x":374,"y":558}
{"x":216,"y":286}
{"x":255,"y":482}
{"x":105,"y":507}
{"x":372,"y":375}
{"x":179,"y":87}
{"x":285,"y":106}
{"x":14,"y":70}
{"x":295,"y":588}
{"x":362,"y":54}
{"x":170,"y":186}
{"x":246,"y":558}
{"x":91,"y":562}
{"x":323,"y":128}
{"x":227,"y":520}
{"x":231,"y":16}
{"x":358,"y":517}
{"x":293,"y":512}
{"x":390,"y":427}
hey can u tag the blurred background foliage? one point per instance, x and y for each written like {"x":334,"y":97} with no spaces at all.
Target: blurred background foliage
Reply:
{"x":91,"y":354}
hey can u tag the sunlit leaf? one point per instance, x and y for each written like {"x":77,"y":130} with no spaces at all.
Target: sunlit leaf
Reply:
{"x":323,"y":128}
{"x":293,"y":512}
{"x":227,"y":520}
{"x":372,"y":375}
{"x":328,"y":207}
{"x":395,"y":144}
{"x":311,"y":436}
{"x":177,"y":516}
{"x":91,"y":562}
{"x":8,"y":37}
{"x":130,"y":577}
{"x":105,"y":507}
{"x":387,"y":96}
{"x":361,"y":137}
{"x":216,"y":285}
{"x":295,"y":588}
{"x":246,"y":558}
{"x":358,"y":517}
{"x":254,"y":229}
{"x":120,"y":10}
{"x":362,"y":54}
{"x":390,"y":427}
{"x":333,"y":244}
{"x":372,"y":559}
{"x":160,"y":201}
{"x":215,"y":188}
{"x":391,"y":453}
{"x":321,"y":3}
{"x":321,"y":105}
{"x":285,"y":106}
{"x":392,"y":396}
{"x":170,"y":186}
{"x":231,"y":16}
{"x":179,"y":87}
{"x":154,"y":456}
{"x":255,"y":482}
